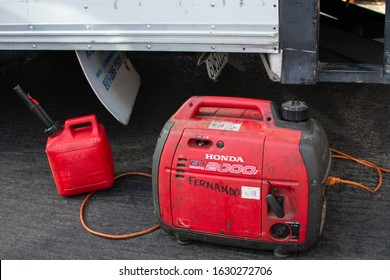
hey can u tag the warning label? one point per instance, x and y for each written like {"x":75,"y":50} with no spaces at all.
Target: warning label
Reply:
{"x":225,"y":126}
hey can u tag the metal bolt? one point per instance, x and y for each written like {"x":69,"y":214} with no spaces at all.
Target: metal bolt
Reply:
{"x":212,"y":4}
{"x":148,"y":26}
{"x":85,"y":6}
{"x":213,"y":27}
{"x":33,"y":46}
{"x":220,"y":144}
{"x":213,"y":47}
{"x":149,"y":47}
{"x":89,"y":46}
{"x":88,"y":27}
{"x":314,"y":182}
{"x":31,"y":27}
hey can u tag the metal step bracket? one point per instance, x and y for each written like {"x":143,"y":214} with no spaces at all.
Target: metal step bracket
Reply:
{"x":215,"y":62}
{"x":273,"y":67}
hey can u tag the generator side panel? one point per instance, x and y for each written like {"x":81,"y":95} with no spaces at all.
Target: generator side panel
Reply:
{"x":285,"y":174}
{"x":144,"y":25}
{"x":316,"y":154}
{"x":160,"y":176}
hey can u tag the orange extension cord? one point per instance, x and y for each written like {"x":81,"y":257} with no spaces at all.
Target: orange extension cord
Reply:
{"x":340,"y":155}
{"x":330,"y":181}
{"x":123,"y":236}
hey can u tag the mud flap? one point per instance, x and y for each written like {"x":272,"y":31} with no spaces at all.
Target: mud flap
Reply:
{"x":113,"y":79}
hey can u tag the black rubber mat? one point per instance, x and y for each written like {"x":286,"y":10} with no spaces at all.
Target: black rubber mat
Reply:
{"x":36,"y":223}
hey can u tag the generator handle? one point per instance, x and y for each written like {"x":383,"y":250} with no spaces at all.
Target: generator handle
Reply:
{"x":192,"y":106}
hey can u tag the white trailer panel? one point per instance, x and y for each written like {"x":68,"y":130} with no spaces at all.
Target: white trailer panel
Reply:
{"x":142,"y":25}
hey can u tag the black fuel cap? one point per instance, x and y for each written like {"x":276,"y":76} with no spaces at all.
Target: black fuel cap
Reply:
{"x":295,"y":111}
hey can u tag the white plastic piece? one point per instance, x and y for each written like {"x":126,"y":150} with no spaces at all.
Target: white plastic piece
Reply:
{"x":113,"y":79}
{"x":275,"y":62}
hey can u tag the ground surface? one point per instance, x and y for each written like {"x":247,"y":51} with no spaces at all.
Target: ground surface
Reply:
{"x":35,"y":223}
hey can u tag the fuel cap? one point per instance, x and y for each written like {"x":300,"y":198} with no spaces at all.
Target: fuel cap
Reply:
{"x":295,"y":111}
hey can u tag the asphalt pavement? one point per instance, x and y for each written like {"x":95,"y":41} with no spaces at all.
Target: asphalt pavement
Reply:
{"x":36,"y":223}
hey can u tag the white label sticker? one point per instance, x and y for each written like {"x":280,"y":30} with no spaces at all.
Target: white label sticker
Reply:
{"x":250,"y":192}
{"x":225,"y":126}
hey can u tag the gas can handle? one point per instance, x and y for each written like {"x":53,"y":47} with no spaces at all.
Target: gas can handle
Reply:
{"x":83,"y":120}
{"x":191,"y":107}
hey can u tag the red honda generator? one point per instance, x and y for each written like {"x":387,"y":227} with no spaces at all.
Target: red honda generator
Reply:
{"x":238,"y":172}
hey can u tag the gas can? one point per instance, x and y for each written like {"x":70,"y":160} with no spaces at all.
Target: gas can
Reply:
{"x":80,"y":157}
{"x":79,"y":153}
{"x":235,"y":171}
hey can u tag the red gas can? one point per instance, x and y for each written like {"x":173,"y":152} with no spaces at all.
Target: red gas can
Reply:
{"x":79,"y":153}
{"x":80,"y":157}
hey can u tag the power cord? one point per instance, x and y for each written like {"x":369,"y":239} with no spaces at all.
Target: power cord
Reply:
{"x":109,"y":236}
{"x":340,"y":155}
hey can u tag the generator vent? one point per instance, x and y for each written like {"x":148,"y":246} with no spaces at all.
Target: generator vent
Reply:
{"x":181,"y":168}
